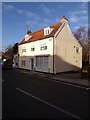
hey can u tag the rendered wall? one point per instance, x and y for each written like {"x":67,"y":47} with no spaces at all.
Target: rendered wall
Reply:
{"x":66,"y":58}
{"x":31,"y":54}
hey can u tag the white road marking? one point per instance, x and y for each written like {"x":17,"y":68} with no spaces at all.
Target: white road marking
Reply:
{"x":51,"y":105}
{"x":87,"y":88}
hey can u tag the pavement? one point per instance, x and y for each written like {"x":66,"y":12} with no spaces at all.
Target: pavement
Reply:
{"x":71,"y":78}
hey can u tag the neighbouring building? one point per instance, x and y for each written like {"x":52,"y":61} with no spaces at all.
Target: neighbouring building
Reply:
{"x":53,"y":49}
{"x":15,"y":61}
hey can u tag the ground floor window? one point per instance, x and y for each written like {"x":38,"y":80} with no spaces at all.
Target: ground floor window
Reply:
{"x":23,"y":63}
{"x":42,"y":63}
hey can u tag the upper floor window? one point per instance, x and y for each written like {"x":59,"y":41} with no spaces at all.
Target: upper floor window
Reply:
{"x":77,"y":49}
{"x":32,"y":48}
{"x":23,"y":50}
{"x":46,"y":31}
{"x":43,"y":47}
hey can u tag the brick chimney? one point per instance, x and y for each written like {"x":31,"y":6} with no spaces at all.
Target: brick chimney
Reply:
{"x":28,"y":32}
{"x":64,"y":19}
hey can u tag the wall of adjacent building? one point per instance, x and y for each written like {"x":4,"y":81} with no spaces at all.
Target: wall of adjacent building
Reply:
{"x":66,"y":58}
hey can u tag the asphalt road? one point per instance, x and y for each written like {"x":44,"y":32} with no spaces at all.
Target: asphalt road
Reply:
{"x":29,"y":96}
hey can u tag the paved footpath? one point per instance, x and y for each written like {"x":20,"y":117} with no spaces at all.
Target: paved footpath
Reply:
{"x":66,"y":78}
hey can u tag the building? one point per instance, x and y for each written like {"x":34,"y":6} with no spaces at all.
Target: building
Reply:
{"x":15,"y":61}
{"x":53,"y":49}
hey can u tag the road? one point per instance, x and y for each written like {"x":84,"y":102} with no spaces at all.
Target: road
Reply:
{"x":29,"y":96}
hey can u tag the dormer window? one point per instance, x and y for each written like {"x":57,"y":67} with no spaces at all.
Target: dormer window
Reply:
{"x":47,"y":31}
{"x":27,"y":37}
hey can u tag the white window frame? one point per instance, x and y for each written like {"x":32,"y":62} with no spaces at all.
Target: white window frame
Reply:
{"x":43,"y":46}
{"x":23,"y":50}
{"x":23,"y":63}
{"x":47,"y":31}
{"x":32,"y":48}
{"x":77,"y":50}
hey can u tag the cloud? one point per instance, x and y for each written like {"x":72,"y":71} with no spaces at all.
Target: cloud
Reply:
{"x":29,"y":14}
{"x":31,"y":23}
{"x":77,"y":27}
{"x":74,"y":19}
{"x":84,"y":12}
{"x":78,"y":12}
{"x":60,"y":7}
{"x":84,"y":18}
{"x":20,"y":11}
{"x":46,"y":9}
{"x":9,"y":7}
{"x":84,"y":5}
{"x":75,"y":16}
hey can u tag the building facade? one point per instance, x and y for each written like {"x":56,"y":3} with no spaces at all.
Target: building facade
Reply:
{"x":53,"y":49}
{"x":15,"y":61}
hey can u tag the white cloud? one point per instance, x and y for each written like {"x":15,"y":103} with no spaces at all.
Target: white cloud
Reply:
{"x":78,"y":12}
{"x":20,"y":11}
{"x":75,"y":16}
{"x":84,"y":18}
{"x":84,"y":12}
{"x":9,"y":7}
{"x":31,"y":23}
{"x":77,"y":27}
{"x":46,"y":9}
{"x":84,"y":5}
{"x":60,"y":7}
{"x":74,"y":19}
{"x":28,"y":14}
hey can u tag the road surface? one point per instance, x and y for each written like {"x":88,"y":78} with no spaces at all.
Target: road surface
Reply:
{"x":29,"y":96}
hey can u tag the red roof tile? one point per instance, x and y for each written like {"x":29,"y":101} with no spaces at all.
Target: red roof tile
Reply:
{"x":39,"y":35}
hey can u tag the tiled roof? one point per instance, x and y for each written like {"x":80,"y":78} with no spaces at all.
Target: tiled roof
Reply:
{"x":39,"y":35}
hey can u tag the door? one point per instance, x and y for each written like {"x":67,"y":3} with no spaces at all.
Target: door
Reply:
{"x":32,"y":64}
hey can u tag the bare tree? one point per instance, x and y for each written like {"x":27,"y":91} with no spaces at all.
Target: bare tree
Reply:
{"x":82,"y":36}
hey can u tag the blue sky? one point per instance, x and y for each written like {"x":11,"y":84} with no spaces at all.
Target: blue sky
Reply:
{"x":17,"y":15}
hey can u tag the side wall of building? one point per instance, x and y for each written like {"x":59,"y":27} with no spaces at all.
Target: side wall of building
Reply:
{"x":66,"y":57}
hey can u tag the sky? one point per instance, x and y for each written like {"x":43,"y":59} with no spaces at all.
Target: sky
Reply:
{"x":37,"y":15}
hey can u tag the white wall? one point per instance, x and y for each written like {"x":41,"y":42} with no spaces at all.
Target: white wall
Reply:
{"x":48,"y":41}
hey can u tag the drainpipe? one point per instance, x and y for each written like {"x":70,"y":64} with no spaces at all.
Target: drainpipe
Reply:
{"x":53,"y":55}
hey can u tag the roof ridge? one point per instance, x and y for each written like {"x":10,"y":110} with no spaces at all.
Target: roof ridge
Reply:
{"x":39,"y":34}
{"x":43,"y":28}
